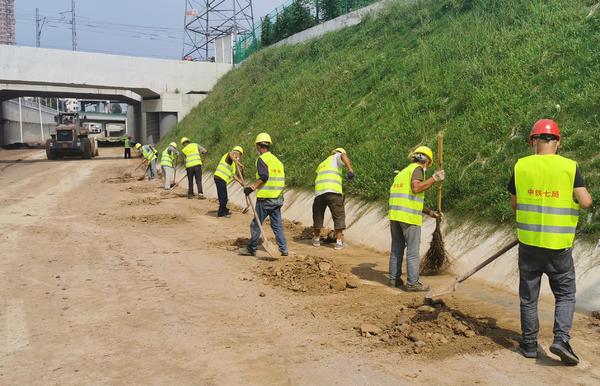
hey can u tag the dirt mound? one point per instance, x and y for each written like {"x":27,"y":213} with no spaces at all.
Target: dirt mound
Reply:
{"x":142,"y":201}
{"x":158,"y":219}
{"x":119,"y":180}
{"x":232,"y":245}
{"x":308,"y":274}
{"x":141,"y":189}
{"x":300,"y":232}
{"x":439,"y":331}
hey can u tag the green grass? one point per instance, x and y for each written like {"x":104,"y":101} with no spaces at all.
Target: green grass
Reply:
{"x":481,"y":70}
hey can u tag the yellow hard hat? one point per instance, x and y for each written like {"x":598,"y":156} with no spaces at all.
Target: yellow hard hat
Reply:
{"x":263,"y":137}
{"x":424,"y":150}
{"x":173,"y":144}
{"x":339,"y":150}
{"x":138,"y":145}
{"x":184,"y":140}
{"x":238,"y":149}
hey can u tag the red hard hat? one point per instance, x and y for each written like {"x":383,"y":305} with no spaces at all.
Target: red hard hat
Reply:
{"x":545,"y":126}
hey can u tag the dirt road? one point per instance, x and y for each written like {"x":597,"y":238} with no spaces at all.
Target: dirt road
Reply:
{"x":112,"y":282}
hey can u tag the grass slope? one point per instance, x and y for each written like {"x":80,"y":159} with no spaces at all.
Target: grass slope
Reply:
{"x":482,"y":70}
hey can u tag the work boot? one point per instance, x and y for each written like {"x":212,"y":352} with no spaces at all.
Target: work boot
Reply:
{"x":246,"y":252}
{"x":316,"y":241}
{"x":397,"y":283}
{"x":528,"y":349}
{"x":284,"y":254}
{"x":190,"y":195}
{"x":565,"y":352}
{"x":417,"y":287}
{"x":201,"y":196}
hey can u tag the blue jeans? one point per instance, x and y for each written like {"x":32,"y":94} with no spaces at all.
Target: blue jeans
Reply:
{"x":151,"y":170}
{"x":405,"y":236}
{"x":268,"y":208}
{"x":558,"y":266}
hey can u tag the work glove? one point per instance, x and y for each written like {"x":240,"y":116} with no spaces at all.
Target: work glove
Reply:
{"x":350,"y":176}
{"x":439,"y":176}
{"x":248,"y":190}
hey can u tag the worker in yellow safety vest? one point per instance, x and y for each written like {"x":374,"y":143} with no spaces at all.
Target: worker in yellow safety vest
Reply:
{"x":269,"y":186}
{"x":329,"y":193}
{"x":148,"y":152}
{"x":226,"y":173}
{"x":406,"y":208}
{"x":168,"y":164}
{"x":193,"y":166}
{"x":547,"y":192}
{"x":127,"y":147}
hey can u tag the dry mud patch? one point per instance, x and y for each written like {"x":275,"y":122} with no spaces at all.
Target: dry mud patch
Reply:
{"x":141,"y":189}
{"x":145,"y":201}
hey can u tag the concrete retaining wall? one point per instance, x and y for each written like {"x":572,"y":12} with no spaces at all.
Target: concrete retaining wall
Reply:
{"x":10,"y":127}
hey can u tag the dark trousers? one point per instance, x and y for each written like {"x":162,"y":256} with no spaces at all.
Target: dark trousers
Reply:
{"x":127,"y":153}
{"x":558,"y":266}
{"x":222,"y":194}
{"x":194,"y":172}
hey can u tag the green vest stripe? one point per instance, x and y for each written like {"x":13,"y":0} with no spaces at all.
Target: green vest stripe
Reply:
{"x":329,"y":178}
{"x":167,"y":159}
{"x":407,"y":196}
{"x":405,"y":209}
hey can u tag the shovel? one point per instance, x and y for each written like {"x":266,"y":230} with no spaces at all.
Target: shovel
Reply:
{"x":431,"y":294}
{"x":178,"y":182}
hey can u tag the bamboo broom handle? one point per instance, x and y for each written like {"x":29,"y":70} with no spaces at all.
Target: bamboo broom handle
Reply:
{"x":440,"y":167}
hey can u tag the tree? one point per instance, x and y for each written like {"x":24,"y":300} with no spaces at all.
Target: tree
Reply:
{"x":328,"y":9}
{"x":115,"y":108}
{"x":301,"y":18}
{"x":266,"y":32}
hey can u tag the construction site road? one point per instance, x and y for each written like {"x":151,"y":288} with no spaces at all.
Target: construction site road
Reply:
{"x":109,"y":280}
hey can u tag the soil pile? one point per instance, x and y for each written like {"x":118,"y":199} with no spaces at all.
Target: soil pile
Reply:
{"x":142,"y":201}
{"x":127,"y":177}
{"x":158,"y":219}
{"x":232,"y":245}
{"x":440,"y":331}
{"x":141,"y":189}
{"x":311,"y":274}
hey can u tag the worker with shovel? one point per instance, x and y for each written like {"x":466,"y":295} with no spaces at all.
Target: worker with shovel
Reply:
{"x":329,"y":194}
{"x":193,"y":166}
{"x":225,"y":174}
{"x":406,"y":216}
{"x":270,"y":175}
{"x":149,"y":154}
{"x":547,"y":192}
{"x":168,"y":162}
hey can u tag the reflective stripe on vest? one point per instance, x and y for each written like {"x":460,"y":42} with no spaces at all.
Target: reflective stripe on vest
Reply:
{"x":148,"y":153}
{"x":224,"y":170}
{"x":192,"y":155}
{"x":404,"y":205}
{"x":276,"y":182}
{"x":329,"y":178}
{"x":547,"y":215}
{"x":167,"y":159}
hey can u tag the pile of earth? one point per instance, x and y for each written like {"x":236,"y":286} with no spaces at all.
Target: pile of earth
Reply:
{"x":142,"y":201}
{"x":141,"y":189}
{"x":127,"y":177}
{"x":158,"y":219}
{"x":439,"y":331}
{"x":312,"y":274}
{"x":300,"y":232}
{"x":232,"y":245}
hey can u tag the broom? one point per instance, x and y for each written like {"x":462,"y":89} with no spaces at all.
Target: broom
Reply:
{"x":436,"y":258}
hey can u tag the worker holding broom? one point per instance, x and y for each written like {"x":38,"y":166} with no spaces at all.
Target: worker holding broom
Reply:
{"x":149,"y":154}
{"x":193,"y":166}
{"x":269,"y":185}
{"x":547,"y":192}
{"x":225,"y":174}
{"x":168,"y":162}
{"x":329,"y":194}
{"x":406,"y":216}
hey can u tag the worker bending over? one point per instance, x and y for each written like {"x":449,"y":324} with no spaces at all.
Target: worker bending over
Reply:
{"x":225,"y":174}
{"x":329,"y":193}
{"x":269,"y":187}
{"x":547,"y":192}
{"x":149,"y":154}
{"x":168,"y":163}
{"x":193,"y":166}
{"x":406,"y":216}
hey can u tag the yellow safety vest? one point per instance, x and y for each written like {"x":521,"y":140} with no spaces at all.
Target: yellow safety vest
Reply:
{"x":276,"y":182}
{"x":224,"y":170}
{"x":167,"y":159}
{"x":192,"y":155}
{"x":329,"y":178}
{"x":547,"y":214}
{"x":126,"y":144}
{"x":404,"y":205}
{"x":148,"y":153}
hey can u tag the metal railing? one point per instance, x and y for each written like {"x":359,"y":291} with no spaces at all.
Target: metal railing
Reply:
{"x":292,"y":17}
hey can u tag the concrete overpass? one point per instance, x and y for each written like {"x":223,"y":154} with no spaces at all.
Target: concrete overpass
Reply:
{"x":160,"y":92}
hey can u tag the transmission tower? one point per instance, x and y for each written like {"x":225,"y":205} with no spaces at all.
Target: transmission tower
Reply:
{"x":207,"y":20}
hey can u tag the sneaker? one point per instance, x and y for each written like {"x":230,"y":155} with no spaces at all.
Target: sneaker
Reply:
{"x":246,"y":252}
{"x":316,"y":241}
{"x":339,"y":245}
{"x":284,"y":254}
{"x":417,"y":287}
{"x":201,"y":196}
{"x":565,"y":352}
{"x":528,"y":349}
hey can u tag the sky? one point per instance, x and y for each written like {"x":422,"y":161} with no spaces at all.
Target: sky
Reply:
{"x":152,"y":28}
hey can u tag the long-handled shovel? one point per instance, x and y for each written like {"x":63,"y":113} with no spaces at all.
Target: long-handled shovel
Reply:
{"x":178,"y":182}
{"x":431,"y":294}
{"x":269,"y":247}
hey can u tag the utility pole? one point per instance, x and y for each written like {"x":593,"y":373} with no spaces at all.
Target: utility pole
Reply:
{"x":73,"y":29}
{"x":39,"y":24}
